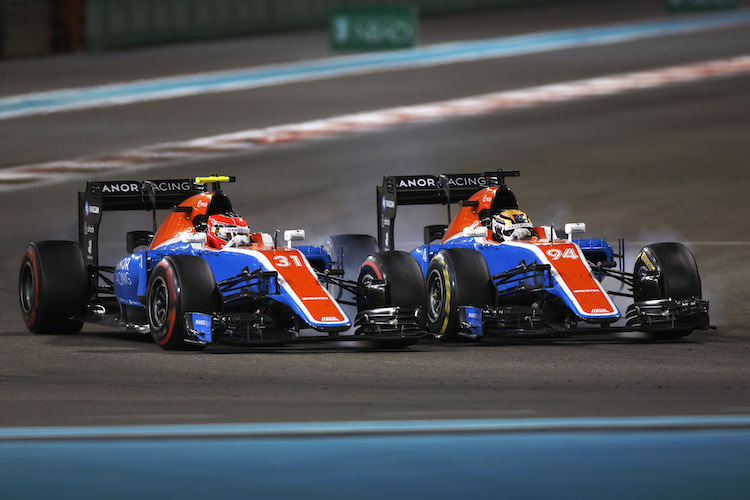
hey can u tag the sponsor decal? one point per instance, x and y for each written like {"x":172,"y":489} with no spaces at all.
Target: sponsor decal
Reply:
{"x":417,"y":183}
{"x":121,"y":188}
{"x":467,"y":181}
{"x":599,"y":310}
{"x":557,"y":254}
{"x":89,"y":229}
{"x":388,"y":203}
{"x":314,"y":298}
{"x":172,"y":185}
{"x":430,"y":182}
{"x":331,"y":318}
{"x":644,"y":258}
{"x":122,"y":277}
{"x":588,"y":290}
{"x":472,"y":321}
{"x":202,"y":326}
{"x":135,"y":187}
{"x":90,"y":209}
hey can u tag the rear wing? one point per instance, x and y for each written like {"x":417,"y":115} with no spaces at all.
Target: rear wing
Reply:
{"x":102,"y":196}
{"x":428,"y":190}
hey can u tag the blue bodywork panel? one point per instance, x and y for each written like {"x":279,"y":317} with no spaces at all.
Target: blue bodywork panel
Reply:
{"x":501,"y":258}
{"x":132,"y":273}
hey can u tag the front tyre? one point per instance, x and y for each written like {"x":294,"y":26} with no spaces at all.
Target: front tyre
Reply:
{"x":404,"y":288}
{"x":666,"y":271}
{"x":455,"y":277}
{"x":179,"y":284}
{"x":53,"y":287}
{"x":403,"y":278}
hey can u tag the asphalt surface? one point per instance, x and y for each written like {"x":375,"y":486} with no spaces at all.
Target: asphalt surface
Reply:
{"x":655,"y":165}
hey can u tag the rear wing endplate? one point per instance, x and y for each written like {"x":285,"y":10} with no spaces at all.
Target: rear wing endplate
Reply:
{"x":102,"y":196}
{"x":428,"y":190}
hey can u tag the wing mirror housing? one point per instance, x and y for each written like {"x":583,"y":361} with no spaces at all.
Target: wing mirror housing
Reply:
{"x":196,"y":240}
{"x":293,"y":235}
{"x":475,"y":232}
{"x":572,"y":228}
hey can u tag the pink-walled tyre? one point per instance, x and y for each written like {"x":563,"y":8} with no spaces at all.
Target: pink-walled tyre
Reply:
{"x":178,"y":284}
{"x":53,"y":287}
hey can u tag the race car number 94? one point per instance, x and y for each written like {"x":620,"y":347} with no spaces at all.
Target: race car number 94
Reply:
{"x":557,"y":254}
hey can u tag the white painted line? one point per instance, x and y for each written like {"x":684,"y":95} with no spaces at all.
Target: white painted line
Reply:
{"x":223,"y":144}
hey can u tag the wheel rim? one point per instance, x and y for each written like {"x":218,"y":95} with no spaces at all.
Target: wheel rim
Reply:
{"x":159,"y":303}
{"x":27,"y":288}
{"x":362,"y":300}
{"x":435,"y":296}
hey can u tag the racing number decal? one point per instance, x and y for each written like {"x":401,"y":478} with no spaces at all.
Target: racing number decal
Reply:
{"x":283,"y":260}
{"x":557,"y":254}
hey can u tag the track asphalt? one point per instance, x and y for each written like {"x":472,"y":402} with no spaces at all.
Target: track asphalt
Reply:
{"x":654,"y":165}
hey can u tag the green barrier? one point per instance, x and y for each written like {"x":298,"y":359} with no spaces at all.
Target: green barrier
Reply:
{"x":123,"y":23}
{"x":693,"y":5}
{"x":373,"y":28}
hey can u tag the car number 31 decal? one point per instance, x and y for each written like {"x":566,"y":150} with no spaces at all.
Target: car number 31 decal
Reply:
{"x":284,"y":261}
{"x":557,"y":254}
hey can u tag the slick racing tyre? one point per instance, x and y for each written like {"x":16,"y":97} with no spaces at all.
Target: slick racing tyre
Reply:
{"x":404,"y":287}
{"x":53,"y":287}
{"x":666,"y":270}
{"x":456,"y":277}
{"x":178,"y":284}
{"x":403,"y":278}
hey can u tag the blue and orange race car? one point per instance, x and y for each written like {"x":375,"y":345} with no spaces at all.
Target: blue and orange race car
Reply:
{"x":204,"y":277}
{"x":491,"y":271}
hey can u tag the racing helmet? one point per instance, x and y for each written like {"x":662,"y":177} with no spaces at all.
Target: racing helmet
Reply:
{"x":511,"y":225}
{"x":221,"y":228}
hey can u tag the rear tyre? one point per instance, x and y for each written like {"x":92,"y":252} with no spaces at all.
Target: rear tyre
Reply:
{"x":456,"y":277}
{"x":53,"y":287}
{"x":178,"y":284}
{"x":677,"y":278}
{"x":404,"y":286}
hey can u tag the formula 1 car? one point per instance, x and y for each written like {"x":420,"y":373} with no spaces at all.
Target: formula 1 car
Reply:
{"x":490,"y":271}
{"x":205,"y":277}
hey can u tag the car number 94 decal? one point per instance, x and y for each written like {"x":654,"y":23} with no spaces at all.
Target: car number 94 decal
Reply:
{"x":557,"y":254}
